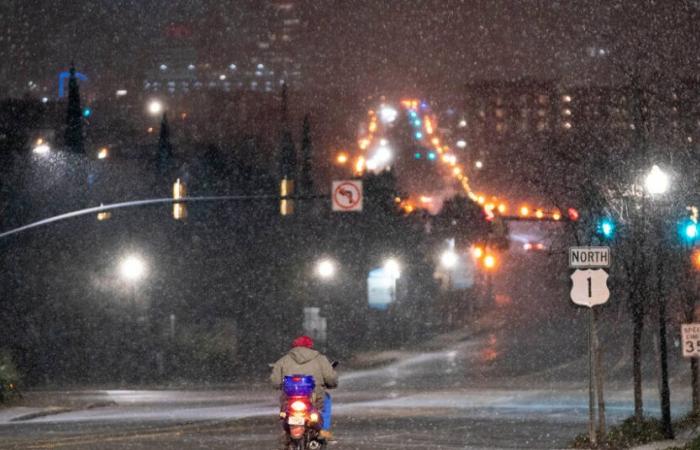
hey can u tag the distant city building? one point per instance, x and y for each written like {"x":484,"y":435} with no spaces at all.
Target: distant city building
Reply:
{"x":502,"y":118}
{"x":262,"y":58}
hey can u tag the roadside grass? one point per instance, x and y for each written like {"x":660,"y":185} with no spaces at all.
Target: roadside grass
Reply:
{"x":629,"y":433}
{"x":632,"y":432}
{"x":689,"y":421}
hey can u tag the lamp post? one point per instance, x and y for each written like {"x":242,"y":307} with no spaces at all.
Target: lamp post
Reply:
{"x":132,"y":269}
{"x":326,"y":271}
{"x":657,"y":184}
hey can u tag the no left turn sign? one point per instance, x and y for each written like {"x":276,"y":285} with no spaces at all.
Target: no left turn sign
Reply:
{"x":347,"y":195}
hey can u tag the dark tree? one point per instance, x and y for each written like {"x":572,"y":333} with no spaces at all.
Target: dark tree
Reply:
{"x":74,"y":118}
{"x":288,"y":155}
{"x":306,"y":183}
{"x":164,"y":158}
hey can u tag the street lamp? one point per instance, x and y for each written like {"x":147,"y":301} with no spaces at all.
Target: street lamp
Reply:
{"x":326,"y":269}
{"x":449,"y":259}
{"x":657,"y":183}
{"x":392,"y":268}
{"x":155,"y":107}
{"x":41,"y":147}
{"x":132,"y":268}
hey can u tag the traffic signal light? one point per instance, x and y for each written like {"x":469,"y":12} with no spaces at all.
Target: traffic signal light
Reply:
{"x":179,"y":209}
{"x":573,"y":214}
{"x":689,"y":230}
{"x":606,"y":228}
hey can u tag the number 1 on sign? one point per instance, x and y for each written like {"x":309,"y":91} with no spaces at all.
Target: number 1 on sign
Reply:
{"x":590,"y":287}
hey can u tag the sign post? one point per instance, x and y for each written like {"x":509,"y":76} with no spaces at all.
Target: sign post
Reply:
{"x":590,"y":289}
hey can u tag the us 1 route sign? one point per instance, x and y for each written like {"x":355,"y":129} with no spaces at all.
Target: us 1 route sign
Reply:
{"x":690,"y":335}
{"x":589,"y":257}
{"x":590,"y":287}
{"x":347,"y":195}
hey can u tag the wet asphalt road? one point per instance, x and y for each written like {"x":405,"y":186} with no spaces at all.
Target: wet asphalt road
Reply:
{"x":520,"y":386}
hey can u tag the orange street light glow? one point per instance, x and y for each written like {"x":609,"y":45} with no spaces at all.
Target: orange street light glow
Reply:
{"x":556,"y":215}
{"x":428,"y":126}
{"x":477,"y":252}
{"x":502,"y":208}
{"x":489,"y":262}
{"x":342,"y":158}
{"x":539,"y":214}
{"x":696,"y":258}
{"x":360,"y":165}
{"x":524,"y":211}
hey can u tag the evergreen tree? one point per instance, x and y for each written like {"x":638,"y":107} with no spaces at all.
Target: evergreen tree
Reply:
{"x":74,"y":118}
{"x":306,"y":181}
{"x":288,"y":154}
{"x":164,"y":158}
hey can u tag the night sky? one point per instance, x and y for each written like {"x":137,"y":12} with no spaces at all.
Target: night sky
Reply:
{"x":369,"y":46}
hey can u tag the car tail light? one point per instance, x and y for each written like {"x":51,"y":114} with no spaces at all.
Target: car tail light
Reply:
{"x":298,"y":406}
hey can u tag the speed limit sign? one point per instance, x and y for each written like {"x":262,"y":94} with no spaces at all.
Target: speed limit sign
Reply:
{"x":690,"y":335}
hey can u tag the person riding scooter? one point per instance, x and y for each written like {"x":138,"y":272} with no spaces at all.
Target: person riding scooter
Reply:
{"x":303,"y":359}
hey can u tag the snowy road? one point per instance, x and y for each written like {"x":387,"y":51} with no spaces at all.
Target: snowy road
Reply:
{"x":519,"y":385}
{"x":396,"y":413}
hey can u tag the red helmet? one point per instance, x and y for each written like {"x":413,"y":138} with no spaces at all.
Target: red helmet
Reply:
{"x":303,"y":341}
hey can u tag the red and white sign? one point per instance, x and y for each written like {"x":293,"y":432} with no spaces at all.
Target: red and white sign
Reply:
{"x":347,"y":195}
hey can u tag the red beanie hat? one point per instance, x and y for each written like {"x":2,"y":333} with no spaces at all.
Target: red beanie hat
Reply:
{"x":303,"y":341}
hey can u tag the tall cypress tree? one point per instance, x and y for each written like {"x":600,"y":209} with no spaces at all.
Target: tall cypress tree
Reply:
{"x":74,"y":118}
{"x":306,"y":180}
{"x":164,"y":157}
{"x":288,"y":154}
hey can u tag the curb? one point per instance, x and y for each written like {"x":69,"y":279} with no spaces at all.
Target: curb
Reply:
{"x":55,"y":410}
{"x":43,"y":413}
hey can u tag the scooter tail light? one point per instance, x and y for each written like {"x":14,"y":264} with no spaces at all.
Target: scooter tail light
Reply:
{"x":298,"y":406}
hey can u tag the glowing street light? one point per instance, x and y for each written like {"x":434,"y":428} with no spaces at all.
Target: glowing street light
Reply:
{"x":449,"y":259}
{"x":41,"y":147}
{"x":132,"y":268}
{"x":657,"y":181}
{"x":392,"y":268}
{"x":102,"y":153}
{"x":342,"y":158}
{"x":326,"y":269}
{"x":489,"y":261}
{"x":155,"y":107}
{"x":387,"y":114}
